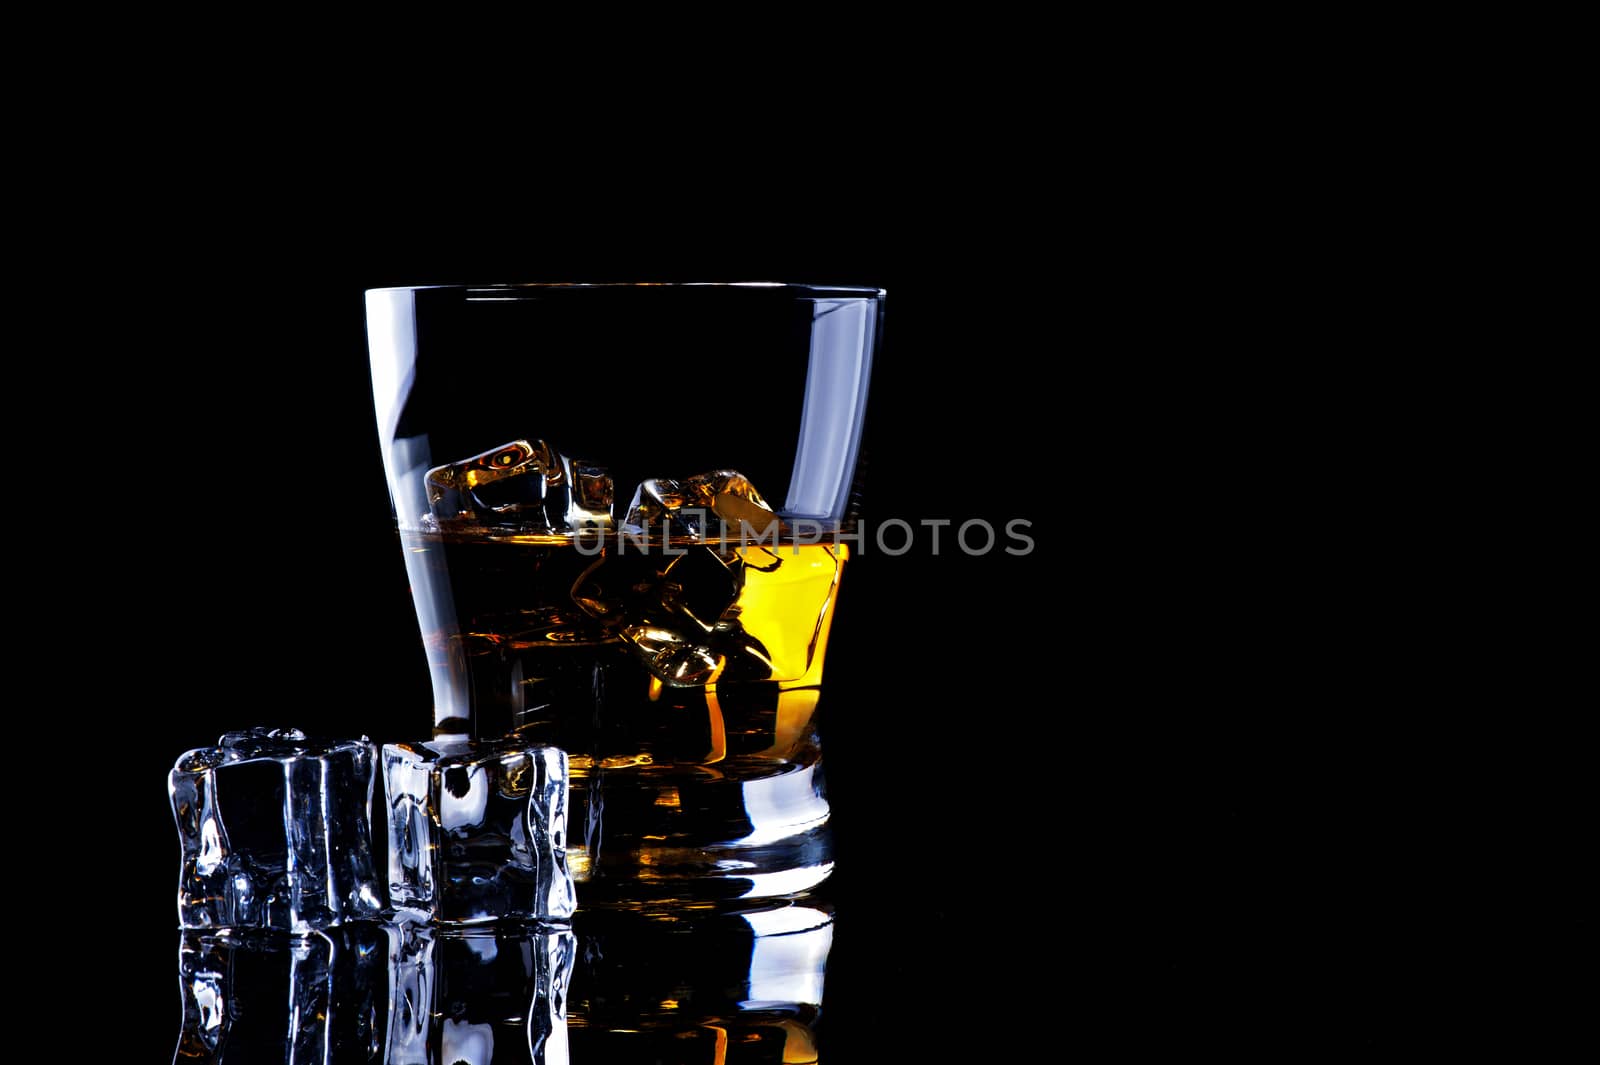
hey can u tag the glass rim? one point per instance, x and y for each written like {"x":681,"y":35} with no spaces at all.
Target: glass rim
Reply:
{"x":532,"y":288}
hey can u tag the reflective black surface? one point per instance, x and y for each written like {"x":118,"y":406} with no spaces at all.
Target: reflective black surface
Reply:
{"x":741,"y":985}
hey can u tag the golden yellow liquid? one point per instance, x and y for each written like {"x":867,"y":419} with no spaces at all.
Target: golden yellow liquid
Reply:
{"x":562,"y":645}
{"x":681,"y":679}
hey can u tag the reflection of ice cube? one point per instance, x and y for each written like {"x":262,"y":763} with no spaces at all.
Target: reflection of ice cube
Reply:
{"x":528,"y":486}
{"x":721,"y":503}
{"x":233,"y":986}
{"x":275,"y":832}
{"x":480,"y":995}
{"x":477,"y":830}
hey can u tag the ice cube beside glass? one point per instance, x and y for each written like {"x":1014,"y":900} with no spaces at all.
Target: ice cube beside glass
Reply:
{"x":275,"y":831}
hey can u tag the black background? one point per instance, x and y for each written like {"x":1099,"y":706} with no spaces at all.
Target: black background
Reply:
{"x":1211,"y":771}
{"x":1047,"y":771}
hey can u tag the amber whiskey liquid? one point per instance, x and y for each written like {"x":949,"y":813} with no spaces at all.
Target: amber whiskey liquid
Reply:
{"x":682,"y":678}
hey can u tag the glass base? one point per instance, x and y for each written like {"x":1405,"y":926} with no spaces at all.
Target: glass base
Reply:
{"x":650,"y":836}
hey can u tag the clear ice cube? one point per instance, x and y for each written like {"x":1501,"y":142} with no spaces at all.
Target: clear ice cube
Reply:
{"x":524,"y":485}
{"x":722,"y":503}
{"x":275,"y":831}
{"x":478,"y":830}
{"x":480,"y":995}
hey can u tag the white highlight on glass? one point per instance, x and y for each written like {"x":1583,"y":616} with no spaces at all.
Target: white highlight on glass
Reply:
{"x":834,"y":409}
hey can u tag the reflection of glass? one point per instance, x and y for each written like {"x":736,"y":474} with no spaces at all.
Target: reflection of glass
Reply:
{"x":706,"y":987}
{"x":375,"y":993}
{"x":581,"y":477}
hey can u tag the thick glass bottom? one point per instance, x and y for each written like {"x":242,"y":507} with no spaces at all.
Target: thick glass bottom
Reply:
{"x":650,"y":837}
